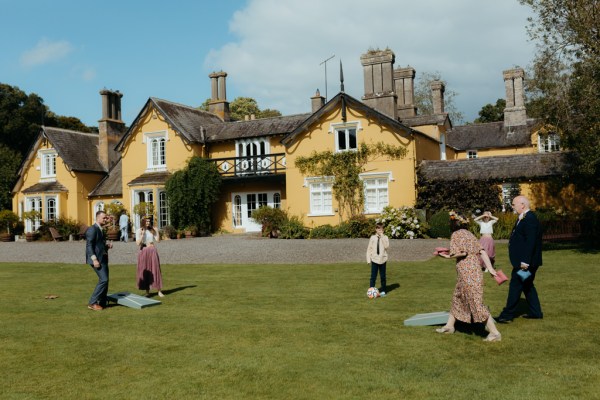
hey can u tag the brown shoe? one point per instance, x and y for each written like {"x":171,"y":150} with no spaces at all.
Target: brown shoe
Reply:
{"x":95,"y":307}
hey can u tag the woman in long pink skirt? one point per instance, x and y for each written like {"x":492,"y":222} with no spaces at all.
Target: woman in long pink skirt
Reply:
{"x":148,"y":266}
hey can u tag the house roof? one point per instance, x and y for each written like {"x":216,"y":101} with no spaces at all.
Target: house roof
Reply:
{"x":254,"y":128}
{"x":490,"y":135}
{"x":502,"y":168}
{"x":420,"y":120}
{"x":78,"y":150}
{"x":339,"y":100}
{"x":110,"y":185}
{"x":46,"y":187}
{"x":150,"y":178}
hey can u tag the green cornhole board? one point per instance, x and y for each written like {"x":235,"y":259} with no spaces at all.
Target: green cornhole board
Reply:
{"x":434,"y":318}
{"x":132,"y":300}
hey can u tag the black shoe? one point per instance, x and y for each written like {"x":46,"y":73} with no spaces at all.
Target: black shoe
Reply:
{"x":527,"y":316}
{"x":503,"y":320}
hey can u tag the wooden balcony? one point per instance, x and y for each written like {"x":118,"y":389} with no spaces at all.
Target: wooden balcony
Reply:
{"x":253,"y":166}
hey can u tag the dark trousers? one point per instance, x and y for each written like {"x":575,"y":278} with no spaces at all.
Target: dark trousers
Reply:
{"x":375,"y":268}
{"x":101,"y":290}
{"x":516,"y":287}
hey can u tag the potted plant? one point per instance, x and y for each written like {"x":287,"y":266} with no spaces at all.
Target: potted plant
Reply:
{"x":191,"y":231}
{"x":9,"y":220}
{"x":32,"y":216}
{"x":143,"y":210}
{"x":113,"y":210}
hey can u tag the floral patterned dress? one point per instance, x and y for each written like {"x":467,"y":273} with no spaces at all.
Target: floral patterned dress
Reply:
{"x":467,"y":301}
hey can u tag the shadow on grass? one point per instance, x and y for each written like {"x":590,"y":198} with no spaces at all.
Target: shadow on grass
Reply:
{"x":391,"y":287}
{"x":174,"y":290}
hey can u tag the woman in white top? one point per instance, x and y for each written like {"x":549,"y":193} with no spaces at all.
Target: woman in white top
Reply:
{"x":486,"y":222}
{"x":148,"y":266}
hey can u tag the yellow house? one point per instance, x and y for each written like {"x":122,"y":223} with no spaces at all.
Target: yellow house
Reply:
{"x":64,"y":166}
{"x":513,"y":152}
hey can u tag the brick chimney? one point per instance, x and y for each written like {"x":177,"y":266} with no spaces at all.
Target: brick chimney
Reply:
{"x":111,"y":128}
{"x":317,"y":101}
{"x":404,"y":84}
{"x":378,"y":68}
{"x":437,"y":95}
{"x":514,"y":113}
{"x":218,"y":100}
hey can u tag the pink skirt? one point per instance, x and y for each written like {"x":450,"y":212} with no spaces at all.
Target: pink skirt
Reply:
{"x":148,"y":269}
{"x":488,"y":245}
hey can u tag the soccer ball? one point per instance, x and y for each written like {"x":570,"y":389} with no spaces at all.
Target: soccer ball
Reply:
{"x":372,"y":293}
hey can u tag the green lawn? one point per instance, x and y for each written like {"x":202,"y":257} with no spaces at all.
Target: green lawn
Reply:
{"x":293,"y":332}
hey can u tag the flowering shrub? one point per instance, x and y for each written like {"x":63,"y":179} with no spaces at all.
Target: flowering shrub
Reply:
{"x":401,"y":223}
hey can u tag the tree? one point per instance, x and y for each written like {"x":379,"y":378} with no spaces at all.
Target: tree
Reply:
{"x":565,"y":84}
{"x":21,"y":116}
{"x":9,"y":164}
{"x":346,"y":167}
{"x":241,"y":107}
{"x":491,"y":112}
{"x":191,"y":193}
{"x":424,"y":101}
{"x":72,"y":123}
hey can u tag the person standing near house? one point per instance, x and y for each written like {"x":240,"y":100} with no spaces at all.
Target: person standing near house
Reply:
{"x":124,"y":225}
{"x":525,"y":254}
{"x":96,"y":255}
{"x":486,"y":222}
{"x":148,"y":266}
{"x":377,"y":256}
{"x":467,"y":300}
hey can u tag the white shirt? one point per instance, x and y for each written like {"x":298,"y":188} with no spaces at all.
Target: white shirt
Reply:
{"x":486,"y":227}
{"x":148,"y":237}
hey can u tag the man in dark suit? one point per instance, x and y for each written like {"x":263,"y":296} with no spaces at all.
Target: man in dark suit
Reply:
{"x":525,"y":253}
{"x":96,"y":255}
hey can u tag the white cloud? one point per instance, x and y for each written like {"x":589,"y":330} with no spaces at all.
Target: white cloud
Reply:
{"x":46,"y":51}
{"x":282,"y":42}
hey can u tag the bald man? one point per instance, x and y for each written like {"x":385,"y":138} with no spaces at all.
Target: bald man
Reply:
{"x":525,"y":253}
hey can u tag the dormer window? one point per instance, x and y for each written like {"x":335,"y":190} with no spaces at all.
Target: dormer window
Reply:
{"x":471,"y":154}
{"x":346,"y":136}
{"x":548,"y":143}
{"x":48,"y":164}
{"x":156,"y":150}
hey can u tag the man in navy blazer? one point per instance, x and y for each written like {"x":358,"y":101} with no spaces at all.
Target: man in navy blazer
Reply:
{"x":525,"y":253}
{"x":96,"y":255}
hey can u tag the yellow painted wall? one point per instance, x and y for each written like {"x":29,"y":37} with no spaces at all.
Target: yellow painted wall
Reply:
{"x":492,"y":152}
{"x":134,"y":154}
{"x":401,"y":189}
{"x":73,"y":204}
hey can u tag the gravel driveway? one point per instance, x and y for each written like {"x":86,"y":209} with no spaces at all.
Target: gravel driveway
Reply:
{"x":229,"y":249}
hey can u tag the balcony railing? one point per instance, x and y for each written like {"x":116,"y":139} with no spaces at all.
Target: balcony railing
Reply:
{"x":265,"y":164}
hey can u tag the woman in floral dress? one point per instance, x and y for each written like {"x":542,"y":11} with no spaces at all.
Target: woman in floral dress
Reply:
{"x":467,"y":301}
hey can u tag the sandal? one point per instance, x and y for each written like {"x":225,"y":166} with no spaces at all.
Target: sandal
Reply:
{"x":445,"y":329}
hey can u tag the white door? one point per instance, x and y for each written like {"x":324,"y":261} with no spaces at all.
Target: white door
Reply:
{"x":33,"y":204}
{"x":245,"y":203}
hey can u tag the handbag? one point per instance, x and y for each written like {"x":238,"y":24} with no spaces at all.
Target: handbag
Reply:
{"x":500,"y":277}
{"x":523,"y":274}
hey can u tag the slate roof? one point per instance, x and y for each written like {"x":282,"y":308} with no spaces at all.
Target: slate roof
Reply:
{"x":502,"y":168}
{"x":150,"y":178}
{"x":46,"y":187}
{"x":490,"y":135}
{"x":254,"y":128}
{"x":78,"y":150}
{"x":186,"y":120}
{"x":420,"y":120}
{"x":110,"y":185}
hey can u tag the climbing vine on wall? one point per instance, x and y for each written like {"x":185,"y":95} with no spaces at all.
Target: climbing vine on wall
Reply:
{"x":345,"y":167}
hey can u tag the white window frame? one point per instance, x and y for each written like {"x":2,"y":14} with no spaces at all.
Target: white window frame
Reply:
{"x":376,"y":176}
{"x":318,"y":188}
{"x":251,"y":155}
{"x":548,"y":143}
{"x":152,"y":139}
{"x":47,"y":215}
{"x":48,"y":164}
{"x":509,"y":191}
{"x":33,"y":203}
{"x":164,"y":216}
{"x":135,"y":198}
{"x":472,"y":154}
{"x":343,"y":128}
{"x":442,"y":146}
{"x":276,"y":200}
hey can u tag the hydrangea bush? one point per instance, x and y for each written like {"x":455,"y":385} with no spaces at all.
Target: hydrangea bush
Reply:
{"x":401,"y":223}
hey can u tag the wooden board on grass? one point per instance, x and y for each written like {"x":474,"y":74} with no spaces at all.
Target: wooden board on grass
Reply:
{"x":434,"y":318}
{"x":132,"y":300}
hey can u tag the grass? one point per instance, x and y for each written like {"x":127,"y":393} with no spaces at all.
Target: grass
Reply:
{"x":293,"y":332}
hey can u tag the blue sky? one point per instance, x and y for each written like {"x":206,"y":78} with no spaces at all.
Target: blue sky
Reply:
{"x":66,"y":51}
